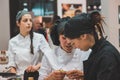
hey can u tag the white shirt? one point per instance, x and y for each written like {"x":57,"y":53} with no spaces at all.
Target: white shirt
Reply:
{"x":19,"y":51}
{"x":66,"y":61}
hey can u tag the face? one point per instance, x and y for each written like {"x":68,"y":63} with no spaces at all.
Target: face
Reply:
{"x":48,"y":25}
{"x":25,"y":24}
{"x":82,"y":43}
{"x":64,"y":44}
{"x":38,"y":23}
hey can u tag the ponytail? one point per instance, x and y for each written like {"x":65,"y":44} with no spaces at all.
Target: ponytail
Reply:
{"x":97,"y":20}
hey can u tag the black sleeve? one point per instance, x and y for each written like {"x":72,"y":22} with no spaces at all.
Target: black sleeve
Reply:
{"x":108,"y":69}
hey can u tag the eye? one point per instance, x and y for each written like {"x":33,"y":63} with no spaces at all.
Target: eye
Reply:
{"x":25,"y":20}
{"x":30,"y":20}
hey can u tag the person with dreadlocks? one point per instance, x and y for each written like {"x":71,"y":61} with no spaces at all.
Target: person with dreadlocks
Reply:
{"x":26,"y":49}
{"x":86,"y":31}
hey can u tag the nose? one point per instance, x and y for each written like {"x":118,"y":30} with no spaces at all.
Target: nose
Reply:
{"x":29,"y":22}
{"x":68,"y":40}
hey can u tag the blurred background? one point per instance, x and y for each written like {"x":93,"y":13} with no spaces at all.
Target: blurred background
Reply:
{"x":48,"y":8}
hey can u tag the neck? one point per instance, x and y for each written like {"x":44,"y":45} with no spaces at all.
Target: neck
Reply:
{"x":92,"y":41}
{"x":24,"y":34}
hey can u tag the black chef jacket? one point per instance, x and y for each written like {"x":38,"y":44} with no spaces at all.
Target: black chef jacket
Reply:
{"x":103,"y":63}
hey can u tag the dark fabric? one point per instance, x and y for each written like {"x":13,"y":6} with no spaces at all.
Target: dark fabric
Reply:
{"x":31,"y":74}
{"x":103,"y":63}
{"x":42,"y":31}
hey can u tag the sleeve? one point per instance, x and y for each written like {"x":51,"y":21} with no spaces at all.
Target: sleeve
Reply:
{"x":45,"y":69}
{"x":108,"y":67}
{"x":48,"y":52}
{"x":11,"y":55}
{"x":43,"y":45}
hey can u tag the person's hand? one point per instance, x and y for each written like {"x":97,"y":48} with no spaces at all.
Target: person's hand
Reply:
{"x":29,"y":68}
{"x":33,"y":68}
{"x":56,"y":75}
{"x":75,"y":74}
{"x":13,"y":70}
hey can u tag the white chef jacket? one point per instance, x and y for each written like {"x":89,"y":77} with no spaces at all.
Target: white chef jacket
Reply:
{"x":19,"y":51}
{"x":66,"y":61}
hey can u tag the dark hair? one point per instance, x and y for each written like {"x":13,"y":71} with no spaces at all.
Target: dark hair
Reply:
{"x":20,"y":14}
{"x":18,"y":18}
{"x":77,"y":11}
{"x":55,"y":18}
{"x":58,"y":29}
{"x":77,"y":5}
{"x":97,"y":20}
{"x":84,"y":23}
{"x":31,"y":39}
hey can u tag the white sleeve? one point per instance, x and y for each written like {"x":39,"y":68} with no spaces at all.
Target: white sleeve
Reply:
{"x":45,"y":69}
{"x":11,"y":55}
{"x":48,"y":52}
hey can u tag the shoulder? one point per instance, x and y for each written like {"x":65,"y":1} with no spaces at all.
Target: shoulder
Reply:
{"x":37,"y":35}
{"x":56,"y":50}
{"x":108,"y":54}
{"x":14,"y":39}
{"x":109,"y":49}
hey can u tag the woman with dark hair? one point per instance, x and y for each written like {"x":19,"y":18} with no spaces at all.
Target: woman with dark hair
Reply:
{"x":85,"y":31}
{"x":26,"y":49}
{"x":67,"y":57}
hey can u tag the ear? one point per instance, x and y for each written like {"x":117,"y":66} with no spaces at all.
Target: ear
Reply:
{"x":18,"y":24}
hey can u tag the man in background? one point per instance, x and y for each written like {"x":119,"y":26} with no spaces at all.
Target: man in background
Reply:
{"x":38,"y":25}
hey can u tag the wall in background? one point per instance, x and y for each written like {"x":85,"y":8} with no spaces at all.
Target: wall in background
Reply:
{"x":4,"y":24}
{"x":110,"y":11}
{"x":59,"y":7}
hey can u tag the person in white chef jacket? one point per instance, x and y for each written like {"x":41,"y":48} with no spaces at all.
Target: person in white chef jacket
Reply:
{"x":26,"y":49}
{"x":70,"y":60}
